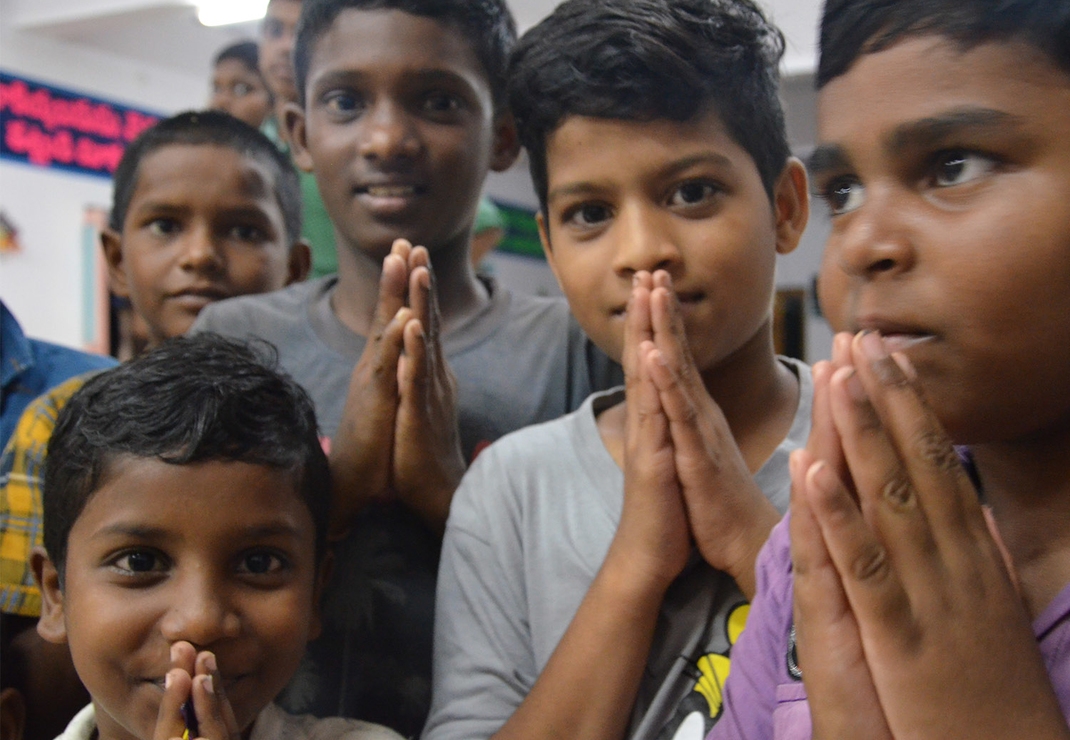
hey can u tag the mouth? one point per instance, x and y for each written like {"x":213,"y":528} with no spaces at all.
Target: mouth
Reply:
{"x":898,"y":337}
{"x":686,"y":301}
{"x":388,"y":199}
{"x":198,"y":298}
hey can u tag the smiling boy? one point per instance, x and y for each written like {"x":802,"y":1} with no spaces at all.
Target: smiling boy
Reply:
{"x":402,"y":116}
{"x":571,"y":599}
{"x":186,"y":504}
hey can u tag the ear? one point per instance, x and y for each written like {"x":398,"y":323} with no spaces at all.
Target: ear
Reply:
{"x":323,"y":577}
{"x":506,"y":143}
{"x":111,"y":242}
{"x":300,"y":262}
{"x":791,"y":201}
{"x":12,"y":714}
{"x":297,"y":132}
{"x":52,"y":625}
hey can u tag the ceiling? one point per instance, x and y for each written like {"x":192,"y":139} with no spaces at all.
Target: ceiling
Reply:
{"x":166,"y":33}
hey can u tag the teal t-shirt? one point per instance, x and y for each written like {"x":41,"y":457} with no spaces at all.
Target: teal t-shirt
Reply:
{"x":316,"y":225}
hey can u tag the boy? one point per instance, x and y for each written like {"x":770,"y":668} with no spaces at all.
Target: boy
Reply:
{"x":571,"y":601}
{"x":944,"y":155}
{"x":276,"y":64}
{"x":402,"y":117}
{"x":204,"y":207}
{"x":186,"y":504}
{"x":238,"y":88}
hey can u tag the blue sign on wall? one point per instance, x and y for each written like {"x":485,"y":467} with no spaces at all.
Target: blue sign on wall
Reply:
{"x":49,"y":126}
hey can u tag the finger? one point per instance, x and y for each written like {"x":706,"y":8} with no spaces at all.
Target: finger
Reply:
{"x":670,"y":333}
{"x":824,"y":442}
{"x":169,"y":722}
{"x":393,"y":293}
{"x":183,"y":655}
{"x":637,"y":327}
{"x":413,"y":375}
{"x":870,"y":578}
{"x":214,"y":712}
{"x":841,"y":692}
{"x":420,"y":294}
{"x":1008,"y":562}
{"x":648,"y":427}
{"x":929,"y":460}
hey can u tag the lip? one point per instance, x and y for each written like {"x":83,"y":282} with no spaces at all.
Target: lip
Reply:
{"x":389,"y":197}
{"x":197,"y":298}
{"x":898,"y":336}
{"x":686,"y":299}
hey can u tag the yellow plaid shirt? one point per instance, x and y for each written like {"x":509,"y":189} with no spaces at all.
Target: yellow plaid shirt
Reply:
{"x":21,"y":513}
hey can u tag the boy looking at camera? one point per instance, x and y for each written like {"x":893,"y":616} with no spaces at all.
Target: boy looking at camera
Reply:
{"x":402,"y":116}
{"x":595,"y":569}
{"x":186,"y":505}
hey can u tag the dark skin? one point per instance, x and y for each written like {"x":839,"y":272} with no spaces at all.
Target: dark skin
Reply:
{"x":400,"y":128}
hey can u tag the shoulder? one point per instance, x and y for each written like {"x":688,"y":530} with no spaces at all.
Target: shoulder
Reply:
{"x":61,"y":363}
{"x":275,"y":724}
{"x":517,"y":471}
{"x":264,"y":312}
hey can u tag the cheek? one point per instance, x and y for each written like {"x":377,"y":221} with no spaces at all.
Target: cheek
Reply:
{"x":256,"y":271}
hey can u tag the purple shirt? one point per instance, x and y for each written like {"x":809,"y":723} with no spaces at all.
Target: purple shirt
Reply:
{"x":763,"y":701}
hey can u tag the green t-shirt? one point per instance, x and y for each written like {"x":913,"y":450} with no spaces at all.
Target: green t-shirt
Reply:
{"x":316,"y":225}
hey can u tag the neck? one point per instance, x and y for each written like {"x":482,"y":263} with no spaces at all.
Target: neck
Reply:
{"x":1027,"y":483}
{"x":460,"y":294}
{"x":757,"y":395}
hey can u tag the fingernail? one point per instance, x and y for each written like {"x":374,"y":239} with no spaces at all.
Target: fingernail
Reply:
{"x":209,"y":686}
{"x":873,"y":346}
{"x":905,"y":365}
{"x":635,"y":279}
{"x":209,"y":662}
{"x":167,"y":681}
{"x":854,"y":387}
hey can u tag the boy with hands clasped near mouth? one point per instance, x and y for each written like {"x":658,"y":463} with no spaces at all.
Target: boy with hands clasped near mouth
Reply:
{"x":595,"y":568}
{"x":895,"y":610}
{"x":186,"y":506}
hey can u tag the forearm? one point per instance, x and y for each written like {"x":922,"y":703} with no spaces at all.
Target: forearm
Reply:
{"x":589,"y":685}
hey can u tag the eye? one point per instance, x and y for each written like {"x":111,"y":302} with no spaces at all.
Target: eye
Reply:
{"x":342,"y":102}
{"x":241,"y":89}
{"x":163,"y":227}
{"x":959,"y":167}
{"x":440,"y":102}
{"x":247,"y":233}
{"x":843,"y":195}
{"x":261,"y":563}
{"x":587,"y":215}
{"x":692,"y":193}
{"x":138,"y":562}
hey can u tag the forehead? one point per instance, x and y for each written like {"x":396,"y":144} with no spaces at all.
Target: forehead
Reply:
{"x":582,"y":148}
{"x":208,"y":172}
{"x":924,"y":78}
{"x":235,"y":67}
{"x":205,"y":501}
{"x":287,"y":11}
{"x":394,"y":42}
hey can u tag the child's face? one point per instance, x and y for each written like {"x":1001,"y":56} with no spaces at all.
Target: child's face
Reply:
{"x":400,"y":130}
{"x":204,"y":224}
{"x":276,"y":47}
{"x":240,"y":91}
{"x":219,"y":554}
{"x":948,"y":174}
{"x":625,"y":196}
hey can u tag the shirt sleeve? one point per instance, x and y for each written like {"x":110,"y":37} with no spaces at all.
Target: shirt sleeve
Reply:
{"x":483,"y":665}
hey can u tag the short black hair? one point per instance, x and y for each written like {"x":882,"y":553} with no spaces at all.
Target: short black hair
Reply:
{"x":851,"y":28}
{"x":191,"y":399}
{"x":208,"y":128}
{"x":246,"y":52}
{"x":487,"y":25}
{"x":644,"y":60}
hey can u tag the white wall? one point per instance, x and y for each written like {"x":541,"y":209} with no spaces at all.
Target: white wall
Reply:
{"x":43,"y":284}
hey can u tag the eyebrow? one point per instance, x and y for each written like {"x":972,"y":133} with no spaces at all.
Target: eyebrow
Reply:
{"x":674,"y":168}
{"x":343,"y":77}
{"x":921,"y":134}
{"x":142,"y":532}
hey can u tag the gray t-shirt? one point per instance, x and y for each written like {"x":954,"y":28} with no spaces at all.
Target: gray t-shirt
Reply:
{"x":528,"y":531}
{"x":520,"y":361}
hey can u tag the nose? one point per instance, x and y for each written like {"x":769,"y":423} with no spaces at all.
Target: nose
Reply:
{"x":643,"y":242}
{"x":200,"y":251}
{"x":200,"y":610}
{"x":389,"y":134}
{"x":878,"y":240}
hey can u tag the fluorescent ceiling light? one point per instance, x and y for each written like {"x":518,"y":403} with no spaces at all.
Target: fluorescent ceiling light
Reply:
{"x":226,"y":12}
